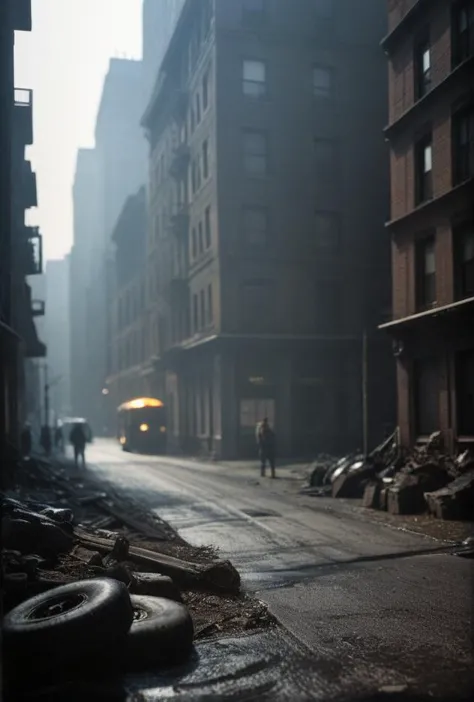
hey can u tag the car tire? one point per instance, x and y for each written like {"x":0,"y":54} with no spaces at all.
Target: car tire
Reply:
{"x":162,"y":630}
{"x":68,"y":622}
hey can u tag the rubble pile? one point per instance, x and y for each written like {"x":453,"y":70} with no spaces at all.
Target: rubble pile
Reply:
{"x":84,"y":535}
{"x":425,"y":479}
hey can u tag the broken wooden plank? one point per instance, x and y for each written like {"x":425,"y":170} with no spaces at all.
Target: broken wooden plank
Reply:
{"x":218,"y":575}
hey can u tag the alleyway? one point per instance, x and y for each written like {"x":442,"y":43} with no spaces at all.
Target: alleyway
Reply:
{"x":389,"y":606}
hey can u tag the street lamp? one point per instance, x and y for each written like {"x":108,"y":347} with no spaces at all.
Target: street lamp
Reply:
{"x":105,"y":391}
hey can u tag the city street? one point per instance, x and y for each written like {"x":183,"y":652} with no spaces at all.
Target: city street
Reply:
{"x":379,"y":603}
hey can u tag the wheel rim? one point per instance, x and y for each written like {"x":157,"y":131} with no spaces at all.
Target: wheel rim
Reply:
{"x":56,"y":606}
{"x":139,"y":614}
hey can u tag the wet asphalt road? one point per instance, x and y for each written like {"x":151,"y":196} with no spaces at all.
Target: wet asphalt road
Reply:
{"x":373,"y":605}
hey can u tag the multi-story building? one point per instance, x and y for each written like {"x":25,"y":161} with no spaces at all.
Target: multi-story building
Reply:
{"x":430,"y":48}
{"x":57,"y":336}
{"x":105,"y":177}
{"x":84,"y":252}
{"x":268,"y":196}
{"x":128,"y":322}
{"x":20,"y":246}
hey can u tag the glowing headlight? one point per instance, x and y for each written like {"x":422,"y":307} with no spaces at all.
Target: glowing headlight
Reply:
{"x":122,"y":440}
{"x":144,"y":427}
{"x":163,"y":430}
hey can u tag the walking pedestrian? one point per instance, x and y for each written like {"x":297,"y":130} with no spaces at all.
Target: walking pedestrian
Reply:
{"x":266,"y":442}
{"x":78,"y":440}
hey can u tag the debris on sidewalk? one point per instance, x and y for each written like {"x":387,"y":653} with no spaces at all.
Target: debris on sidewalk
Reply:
{"x":423,"y":480}
{"x":54,"y":537}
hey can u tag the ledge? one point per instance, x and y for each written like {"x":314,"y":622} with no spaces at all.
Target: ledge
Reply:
{"x":453,"y":306}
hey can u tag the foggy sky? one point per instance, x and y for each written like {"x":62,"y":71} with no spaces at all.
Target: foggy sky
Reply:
{"x":64,"y":59}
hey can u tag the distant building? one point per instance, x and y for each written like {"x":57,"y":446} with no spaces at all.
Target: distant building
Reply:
{"x":83,"y":258}
{"x":128,"y":320}
{"x":430,"y":48}
{"x":105,"y":177}
{"x":266,"y":254}
{"x":159,"y":19}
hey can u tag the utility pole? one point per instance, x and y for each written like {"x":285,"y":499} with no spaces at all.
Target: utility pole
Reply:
{"x":365,"y":395}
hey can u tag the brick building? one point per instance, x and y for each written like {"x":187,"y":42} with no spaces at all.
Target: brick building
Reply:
{"x":430,"y":48}
{"x":265,"y":254}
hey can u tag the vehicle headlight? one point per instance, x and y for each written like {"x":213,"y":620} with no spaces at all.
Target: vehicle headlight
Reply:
{"x":163,"y":430}
{"x":144,"y":427}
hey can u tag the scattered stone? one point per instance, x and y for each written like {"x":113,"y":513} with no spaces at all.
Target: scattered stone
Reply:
{"x":353,"y":482}
{"x":156,"y":585}
{"x":371,"y":499}
{"x":454,"y":501}
{"x":92,"y":558}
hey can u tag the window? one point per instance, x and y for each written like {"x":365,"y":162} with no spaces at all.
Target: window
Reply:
{"x":210,"y":310}
{"x":322,"y":82}
{"x":193,"y":177}
{"x":198,"y":108}
{"x":195,"y":314}
{"x":426,"y":396}
{"x":324,"y":155}
{"x":425,"y":255}
{"x":423,"y":170}
{"x":326,"y":227}
{"x":207,"y":227}
{"x":254,"y":79}
{"x":253,"y":12}
{"x":205,"y":159}
{"x":463,"y":145}
{"x":194,"y":242}
{"x":205,"y":91}
{"x":200,"y":238}
{"x":255,"y":226}
{"x":324,"y":8}
{"x":255,"y":152}
{"x":202,"y":304}
{"x":192,"y":120}
{"x":465,"y":393}
{"x":257,"y":306}
{"x":463,"y":239}
{"x":462,"y":24}
{"x":422,"y":69}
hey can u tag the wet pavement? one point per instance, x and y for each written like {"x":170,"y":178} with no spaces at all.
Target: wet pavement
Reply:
{"x":374,"y":606}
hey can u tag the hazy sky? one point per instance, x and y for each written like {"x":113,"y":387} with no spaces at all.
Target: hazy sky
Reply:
{"x":64,"y":59}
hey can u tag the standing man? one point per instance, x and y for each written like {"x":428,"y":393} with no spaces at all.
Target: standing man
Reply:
{"x":78,"y":439}
{"x":266,"y":442}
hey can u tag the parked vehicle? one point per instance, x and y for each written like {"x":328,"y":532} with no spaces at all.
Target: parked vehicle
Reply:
{"x":142,"y":425}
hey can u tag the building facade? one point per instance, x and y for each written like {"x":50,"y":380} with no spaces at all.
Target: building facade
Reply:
{"x":128,"y":319}
{"x":268,"y":196}
{"x":430,"y":48}
{"x":57,"y":336}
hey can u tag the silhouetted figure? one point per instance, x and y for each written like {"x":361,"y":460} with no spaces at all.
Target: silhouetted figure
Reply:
{"x":78,"y":440}
{"x":59,"y":439}
{"x":266,"y":442}
{"x":45,"y":440}
{"x":26,"y":441}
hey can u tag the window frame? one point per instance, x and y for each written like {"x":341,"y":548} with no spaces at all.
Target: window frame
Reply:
{"x":462,"y":154}
{"x":252,"y":209}
{"x":321,"y":93}
{"x":462,"y":233}
{"x":254,"y":18}
{"x":247,"y":82}
{"x":205,"y":159}
{"x":425,"y":281}
{"x":207,"y":227}
{"x":462,"y":47}
{"x":422,"y":77}
{"x":423,"y":182}
{"x":252,"y":156}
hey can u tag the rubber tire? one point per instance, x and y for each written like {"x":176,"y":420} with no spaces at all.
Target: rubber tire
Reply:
{"x":165,"y":633}
{"x":99,"y":621}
